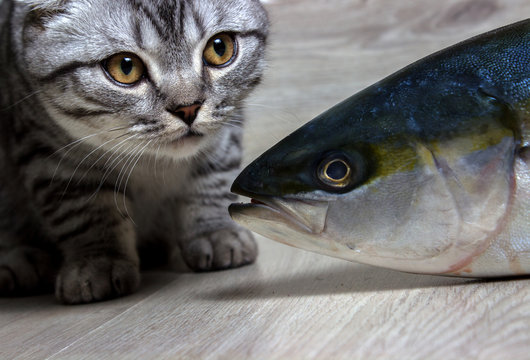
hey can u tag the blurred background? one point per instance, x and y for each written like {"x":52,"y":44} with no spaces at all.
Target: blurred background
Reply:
{"x":323,"y":51}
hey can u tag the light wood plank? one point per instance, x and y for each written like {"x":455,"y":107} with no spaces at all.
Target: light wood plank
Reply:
{"x":291,"y":303}
{"x":37,"y":327}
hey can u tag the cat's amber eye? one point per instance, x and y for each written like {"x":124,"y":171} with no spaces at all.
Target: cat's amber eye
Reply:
{"x":125,"y":68}
{"x":219,"y":50}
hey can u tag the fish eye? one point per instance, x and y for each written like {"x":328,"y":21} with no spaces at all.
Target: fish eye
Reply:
{"x":125,"y":68}
{"x":219,"y":50}
{"x":335,"y":172}
{"x":339,"y":171}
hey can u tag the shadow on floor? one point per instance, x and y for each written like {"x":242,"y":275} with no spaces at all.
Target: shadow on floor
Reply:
{"x":338,"y":279}
{"x":152,"y":281}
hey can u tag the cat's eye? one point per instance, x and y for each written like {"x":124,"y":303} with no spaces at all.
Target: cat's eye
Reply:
{"x":220,"y":50}
{"x":125,"y":68}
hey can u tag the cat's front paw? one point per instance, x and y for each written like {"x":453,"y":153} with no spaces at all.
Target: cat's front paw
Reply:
{"x":221,"y":249}
{"x":95,"y":279}
{"x":25,"y":271}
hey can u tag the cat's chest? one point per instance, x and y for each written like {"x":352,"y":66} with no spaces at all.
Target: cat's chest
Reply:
{"x":152,"y":181}
{"x":152,"y":189}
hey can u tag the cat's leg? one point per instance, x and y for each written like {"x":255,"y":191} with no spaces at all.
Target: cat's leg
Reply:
{"x":99,"y":252}
{"x":221,"y":248}
{"x":96,"y":240}
{"x":27,"y":260}
{"x":210,"y":239}
{"x":24,"y":270}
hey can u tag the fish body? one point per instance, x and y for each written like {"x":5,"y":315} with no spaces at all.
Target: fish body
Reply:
{"x":426,"y":171}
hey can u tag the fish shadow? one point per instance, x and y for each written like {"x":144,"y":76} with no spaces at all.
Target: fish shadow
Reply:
{"x":336,"y":279}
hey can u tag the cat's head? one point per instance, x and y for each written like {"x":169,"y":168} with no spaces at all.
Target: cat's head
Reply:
{"x":167,"y":71}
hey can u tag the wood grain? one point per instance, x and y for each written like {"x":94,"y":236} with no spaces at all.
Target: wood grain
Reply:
{"x":294,"y":304}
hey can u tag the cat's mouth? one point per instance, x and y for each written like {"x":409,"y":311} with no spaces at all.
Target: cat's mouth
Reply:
{"x":191,"y":137}
{"x":192,"y":133}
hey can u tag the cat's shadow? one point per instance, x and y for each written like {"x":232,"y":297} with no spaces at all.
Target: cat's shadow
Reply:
{"x":338,"y":279}
{"x":152,"y":281}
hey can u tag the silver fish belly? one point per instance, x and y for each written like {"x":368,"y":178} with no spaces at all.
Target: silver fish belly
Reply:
{"x":426,"y":171}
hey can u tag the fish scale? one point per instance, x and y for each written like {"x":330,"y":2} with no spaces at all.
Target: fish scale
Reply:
{"x":439,"y":167}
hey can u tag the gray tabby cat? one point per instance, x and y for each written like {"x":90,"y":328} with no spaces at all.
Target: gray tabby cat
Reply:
{"x":121,"y":130}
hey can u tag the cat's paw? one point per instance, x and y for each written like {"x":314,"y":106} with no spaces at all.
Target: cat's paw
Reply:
{"x":221,"y":249}
{"x":25,"y":271}
{"x":96,"y":279}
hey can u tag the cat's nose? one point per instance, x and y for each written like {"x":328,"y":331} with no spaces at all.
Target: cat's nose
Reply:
{"x":187,"y":113}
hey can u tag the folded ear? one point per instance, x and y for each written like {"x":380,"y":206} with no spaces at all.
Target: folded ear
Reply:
{"x":43,"y":5}
{"x":41,"y":11}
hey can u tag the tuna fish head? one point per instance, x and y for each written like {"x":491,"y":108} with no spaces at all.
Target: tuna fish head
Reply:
{"x":408,"y":174}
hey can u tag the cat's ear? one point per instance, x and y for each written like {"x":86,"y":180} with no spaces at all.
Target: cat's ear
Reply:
{"x":40,"y":11}
{"x":43,"y":5}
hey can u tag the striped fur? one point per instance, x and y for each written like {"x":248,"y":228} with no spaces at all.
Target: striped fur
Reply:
{"x":94,"y":170}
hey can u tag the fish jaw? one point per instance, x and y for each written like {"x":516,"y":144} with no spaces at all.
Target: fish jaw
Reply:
{"x":435,"y":224}
{"x":305,"y":216}
{"x":294,"y":222}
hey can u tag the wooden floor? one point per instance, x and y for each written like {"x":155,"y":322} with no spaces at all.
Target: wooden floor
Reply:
{"x":294,"y":304}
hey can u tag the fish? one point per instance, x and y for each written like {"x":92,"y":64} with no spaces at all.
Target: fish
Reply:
{"x":426,"y":171}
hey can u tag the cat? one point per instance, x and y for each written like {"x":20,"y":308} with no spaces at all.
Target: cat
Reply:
{"x":121,"y":127}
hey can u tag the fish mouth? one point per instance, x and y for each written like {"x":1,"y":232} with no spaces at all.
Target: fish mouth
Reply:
{"x":307,"y":216}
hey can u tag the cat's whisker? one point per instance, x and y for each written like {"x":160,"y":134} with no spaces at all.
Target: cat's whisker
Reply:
{"x":237,"y":120}
{"x":156,"y":160}
{"x":164,"y":176}
{"x":142,"y":151}
{"x":276,"y":111}
{"x":72,"y":146}
{"x":275,"y":108}
{"x":81,"y":162}
{"x":129,"y":158}
{"x":150,"y":157}
{"x":234,"y":121}
{"x":116,"y":150}
{"x":261,"y":105}
{"x":75,"y":144}
{"x":9,"y":107}
{"x":120,"y":156}
{"x":211,"y":159}
{"x":237,"y":126}
{"x":124,"y":156}
{"x":104,"y":154}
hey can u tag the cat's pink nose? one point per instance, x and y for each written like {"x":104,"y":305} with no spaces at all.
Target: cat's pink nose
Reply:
{"x":187,"y":113}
